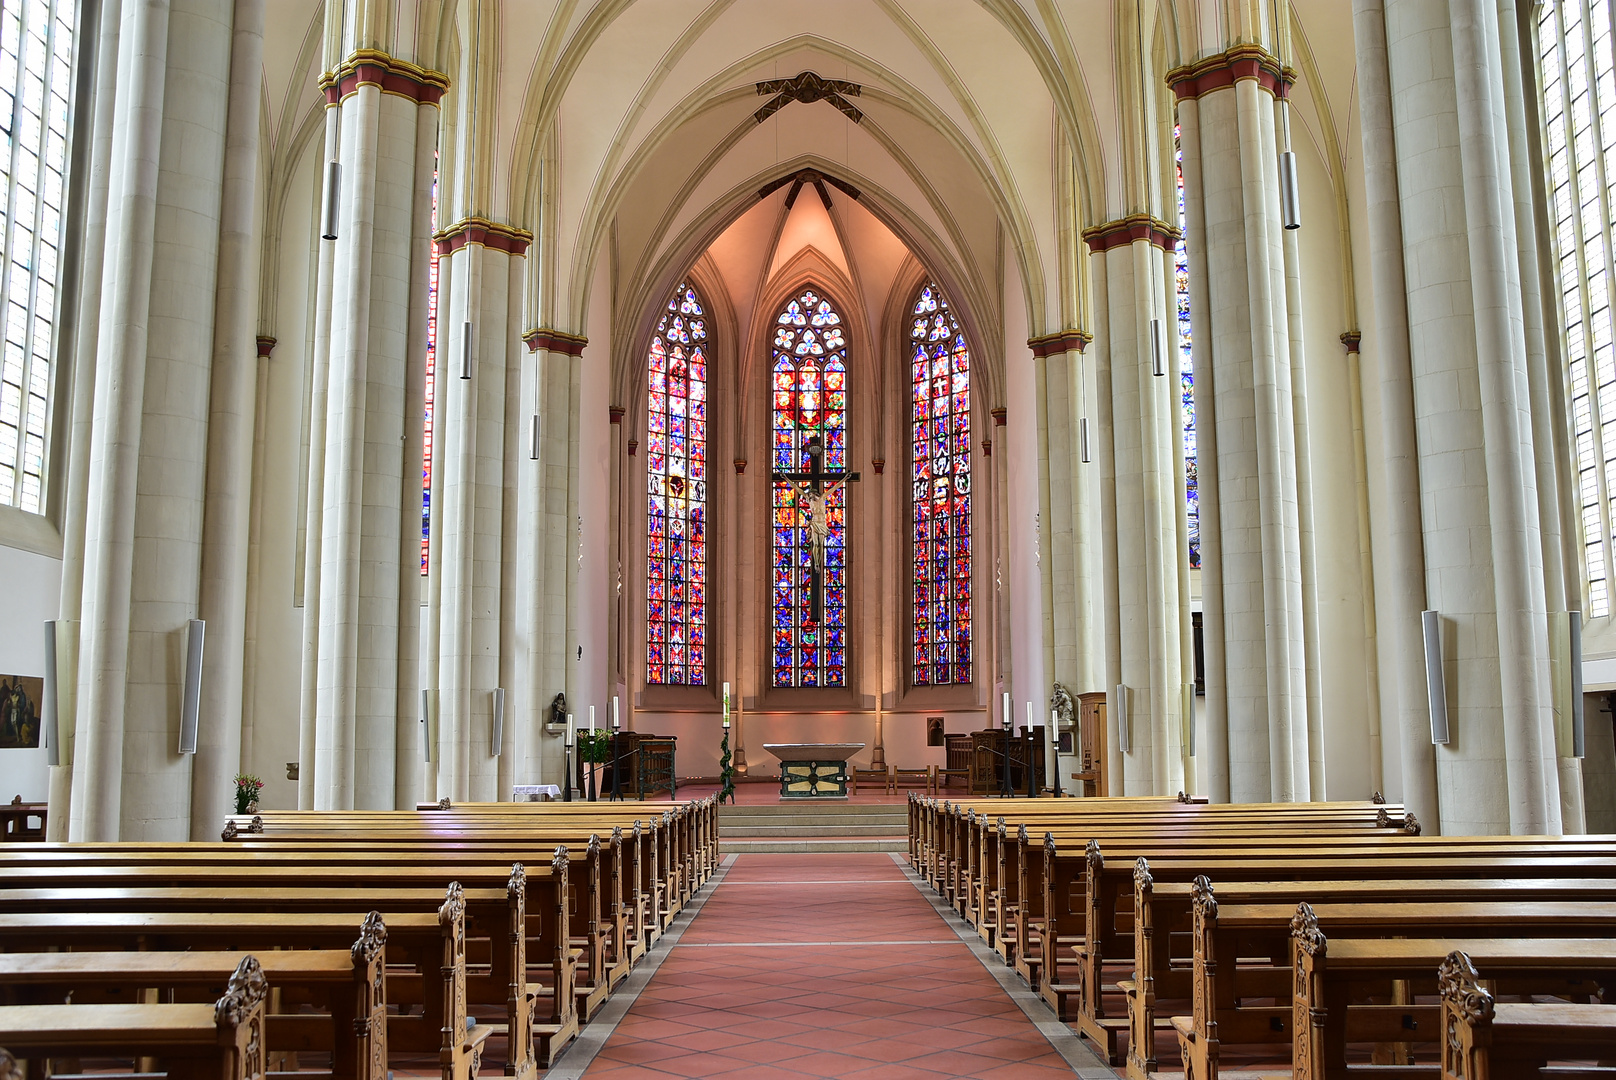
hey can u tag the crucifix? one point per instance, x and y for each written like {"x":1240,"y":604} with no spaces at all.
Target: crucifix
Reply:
{"x":814,"y":488}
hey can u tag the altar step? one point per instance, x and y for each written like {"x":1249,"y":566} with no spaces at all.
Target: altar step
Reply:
{"x":813,"y":827}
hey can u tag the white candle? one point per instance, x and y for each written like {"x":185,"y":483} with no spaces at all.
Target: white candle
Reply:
{"x":572,"y":732}
{"x":1007,"y":712}
{"x":726,"y":705}
{"x":617,"y":717}
{"x":591,"y":718}
{"x":1029,"y":717}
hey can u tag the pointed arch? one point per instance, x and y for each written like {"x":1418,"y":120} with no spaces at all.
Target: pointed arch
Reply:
{"x":940,"y":503}
{"x":676,"y":494}
{"x":808,"y":405}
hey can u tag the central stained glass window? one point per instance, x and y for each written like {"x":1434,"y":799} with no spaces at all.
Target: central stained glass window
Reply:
{"x":940,"y":384}
{"x":809,"y":394}
{"x":676,"y":490}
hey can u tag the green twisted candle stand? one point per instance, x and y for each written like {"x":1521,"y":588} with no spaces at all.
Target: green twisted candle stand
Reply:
{"x":726,"y":771}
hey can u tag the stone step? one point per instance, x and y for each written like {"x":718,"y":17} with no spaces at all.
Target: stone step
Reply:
{"x":795,"y":829}
{"x":812,"y":845}
{"x":777,"y":821}
{"x":795,"y":807}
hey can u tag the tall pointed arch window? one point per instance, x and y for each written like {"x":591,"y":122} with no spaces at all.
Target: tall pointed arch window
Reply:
{"x":940,"y":445}
{"x":809,"y":414}
{"x":1186,"y":369}
{"x":36,"y":83}
{"x":1579,"y":119}
{"x":676,"y":492}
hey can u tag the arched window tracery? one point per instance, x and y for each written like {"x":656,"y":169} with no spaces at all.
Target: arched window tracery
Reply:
{"x":808,"y":409}
{"x":940,"y":449}
{"x":676,"y":495}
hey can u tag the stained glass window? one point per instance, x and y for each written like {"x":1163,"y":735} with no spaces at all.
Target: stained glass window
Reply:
{"x":431,"y":373}
{"x":676,"y":490}
{"x":36,"y":51}
{"x":809,"y":412}
{"x":940,"y":444}
{"x":1579,"y":110}
{"x":1186,"y":371}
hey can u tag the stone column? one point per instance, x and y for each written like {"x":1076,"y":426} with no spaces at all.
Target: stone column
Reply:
{"x":230,"y":439}
{"x":1410,"y":761}
{"x":1072,"y":520}
{"x":1145,"y":613}
{"x":1481,"y":513}
{"x":365,"y":672}
{"x":1261,"y":528}
{"x":148,"y":446}
{"x":100,"y":112}
{"x":474,"y":522}
{"x":547,"y":559}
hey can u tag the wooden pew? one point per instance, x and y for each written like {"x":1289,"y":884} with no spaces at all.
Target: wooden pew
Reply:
{"x":433,"y":943}
{"x":1106,"y":932}
{"x":1327,"y":1000}
{"x":1374,"y":909}
{"x":349,"y":985}
{"x":222,"y":1041}
{"x":1488,"y":1040}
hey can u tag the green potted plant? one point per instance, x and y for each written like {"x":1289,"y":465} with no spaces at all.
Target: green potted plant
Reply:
{"x":594,"y":749}
{"x":247,"y":789}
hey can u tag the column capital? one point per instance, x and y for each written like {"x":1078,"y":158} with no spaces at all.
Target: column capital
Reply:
{"x":266,"y":345}
{"x":1352,"y":339}
{"x":1061,"y":341}
{"x":614,"y":413}
{"x":1222,"y":70}
{"x":394,"y":76}
{"x":480,"y":230}
{"x":1131,"y":229}
{"x":998,"y":415}
{"x":558,"y":341}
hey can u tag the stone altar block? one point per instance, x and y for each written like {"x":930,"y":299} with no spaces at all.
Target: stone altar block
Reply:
{"x":813,"y":770}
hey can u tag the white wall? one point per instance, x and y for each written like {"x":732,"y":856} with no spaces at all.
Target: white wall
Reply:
{"x":33,"y":595}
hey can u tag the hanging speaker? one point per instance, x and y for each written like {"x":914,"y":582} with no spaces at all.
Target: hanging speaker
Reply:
{"x":533,"y":439}
{"x":465,"y":350}
{"x":499,"y":721}
{"x":1083,"y":438}
{"x":426,"y":723}
{"x":333,"y":188}
{"x":1290,"y":203}
{"x":1436,"y":687}
{"x":191,"y":702}
{"x":1124,"y":732}
{"x":48,"y":705}
{"x":1158,"y":349}
{"x":1577,"y":733}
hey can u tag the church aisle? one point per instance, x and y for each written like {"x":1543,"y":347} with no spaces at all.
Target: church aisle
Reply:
{"x":815,"y":965}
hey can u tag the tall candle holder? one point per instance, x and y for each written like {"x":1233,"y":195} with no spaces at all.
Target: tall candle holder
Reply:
{"x":726,"y":770}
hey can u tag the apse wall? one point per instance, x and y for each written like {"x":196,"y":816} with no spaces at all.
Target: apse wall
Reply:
{"x":32,"y":595}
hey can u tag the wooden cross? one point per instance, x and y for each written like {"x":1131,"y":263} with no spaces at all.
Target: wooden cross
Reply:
{"x":815,"y":477}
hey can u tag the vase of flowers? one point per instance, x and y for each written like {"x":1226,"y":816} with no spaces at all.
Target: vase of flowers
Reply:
{"x":594,"y":750}
{"x":247,"y":789}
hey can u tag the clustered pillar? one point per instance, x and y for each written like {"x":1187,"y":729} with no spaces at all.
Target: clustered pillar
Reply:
{"x":1263,"y":722}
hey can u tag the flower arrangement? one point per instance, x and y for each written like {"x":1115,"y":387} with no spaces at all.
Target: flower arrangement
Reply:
{"x":247,"y":789}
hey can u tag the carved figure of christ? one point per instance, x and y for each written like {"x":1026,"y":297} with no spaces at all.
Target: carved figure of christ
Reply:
{"x":815,"y":487}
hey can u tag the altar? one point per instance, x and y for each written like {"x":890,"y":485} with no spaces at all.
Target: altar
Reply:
{"x":813,"y":770}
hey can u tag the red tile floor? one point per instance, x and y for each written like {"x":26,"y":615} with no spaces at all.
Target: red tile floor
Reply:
{"x":814,"y":965}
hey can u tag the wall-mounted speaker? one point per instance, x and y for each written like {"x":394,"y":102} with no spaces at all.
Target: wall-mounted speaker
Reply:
{"x":499,"y":721}
{"x":1436,"y":686}
{"x":426,"y":723}
{"x":333,"y":189}
{"x":1577,"y":734}
{"x":191,"y":702}
{"x":48,"y":706}
{"x":1124,"y":724}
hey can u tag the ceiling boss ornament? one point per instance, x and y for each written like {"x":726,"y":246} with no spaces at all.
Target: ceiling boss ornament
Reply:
{"x":808,"y":87}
